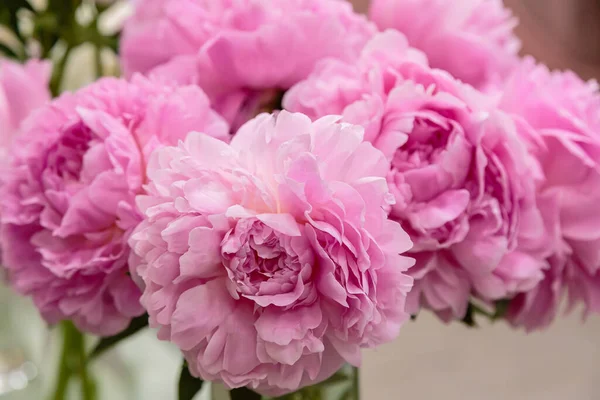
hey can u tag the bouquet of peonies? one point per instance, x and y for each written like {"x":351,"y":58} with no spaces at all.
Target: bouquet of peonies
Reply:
{"x":275,"y":185}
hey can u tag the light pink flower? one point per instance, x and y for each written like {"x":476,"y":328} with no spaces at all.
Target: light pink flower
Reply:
{"x":565,"y":112}
{"x":471,"y":39}
{"x":462,"y":179}
{"x":23,"y":88}
{"x":68,"y":205}
{"x":240,"y":52}
{"x":270,"y":261}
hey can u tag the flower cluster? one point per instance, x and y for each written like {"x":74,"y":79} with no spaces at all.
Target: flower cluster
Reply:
{"x":68,"y":199}
{"x":279,"y":185}
{"x":462,"y":179}
{"x":242,"y":53}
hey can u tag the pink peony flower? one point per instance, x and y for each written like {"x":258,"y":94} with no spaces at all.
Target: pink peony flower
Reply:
{"x":240,"y":52}
{"x":23,"y":88}
{"x":463,"y":181}
{"x":270,"y":261}
{"x":471,"y":39}
{"x":565,"y":112}
{"x":68,"y":204}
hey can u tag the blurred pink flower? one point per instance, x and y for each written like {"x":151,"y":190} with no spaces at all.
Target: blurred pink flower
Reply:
{"x":565,"y":112}
{"x":270,"y":261}
{"x":462,"y":179}
{"x":471,"y":39}
{"x":23,"y":88}
{"x":68,"y":203}
{"x":240,"y":52}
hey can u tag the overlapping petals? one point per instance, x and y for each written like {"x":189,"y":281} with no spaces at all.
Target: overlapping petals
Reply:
{"x":561,"y":110}
{"x":271,"y":261}
{"x":68,"y":203}
{"x":23,"y":88}
{"x":242,"y":53}
{"x":473,"y":39}
{"x":461,"y":175}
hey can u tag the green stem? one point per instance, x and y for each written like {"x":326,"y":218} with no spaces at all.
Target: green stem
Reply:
{"x":73,"y":361}
{"x":98,"y":60}
{"x":64,"y":371}
{"x":97,"y":45}
{"x":88,"y":387}
{"x":356,"y":383}
{"x":59,"y":71}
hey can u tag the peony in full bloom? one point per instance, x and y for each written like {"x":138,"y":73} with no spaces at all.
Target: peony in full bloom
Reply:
{"x":462,"y":178}
{"x":270,"y":261}
{"x":23,"y":88}
{"x":242,"y":53}
{"x":471,"y":39}
{"x":68,"y":204}
{"x":564,"y":112}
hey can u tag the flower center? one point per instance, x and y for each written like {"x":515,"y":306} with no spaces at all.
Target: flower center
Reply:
{"x":432,"y":172}
{"x":424,"y":146}
{"x":65,"y":157}
{"x":259,"y":260}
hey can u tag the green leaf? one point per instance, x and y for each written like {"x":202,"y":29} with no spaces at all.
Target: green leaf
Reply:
{"x":244,"y":394}
{"x":338,"y":377}
{"x":47,"y":31}
{"x":501,"y":309}
{"x":343,"y":385}
{"x":469,"y":318}
{"x":479,"y":310}
{"x":112,"y":42}
{"x":10,"y":14}
{"x":188,"y":385}
{"x":5,"y":17}
{"x":7,"y":51}
{"x":15,"y":5}
{"x":136,"y":325}
{"x":63,"y":9}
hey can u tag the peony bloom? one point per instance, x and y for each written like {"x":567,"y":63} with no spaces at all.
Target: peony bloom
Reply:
{"x":471,"y":39}
{"x":23,"y":88}
{"x":565,"y":112}
{"x":270,"y":261}
{"x":242,"y":53}
{"x":68,"y":205}
{"x":462,"y":179}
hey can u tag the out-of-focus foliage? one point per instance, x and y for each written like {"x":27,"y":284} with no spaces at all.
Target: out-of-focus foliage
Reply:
{"x":52,"y":29}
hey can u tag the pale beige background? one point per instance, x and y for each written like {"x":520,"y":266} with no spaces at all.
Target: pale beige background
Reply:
{"x":433,"y":361}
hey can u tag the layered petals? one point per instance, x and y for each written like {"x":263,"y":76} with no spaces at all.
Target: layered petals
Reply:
{"x":23,"y":89}
{"x":69,"y":199}
{"x":270,"y":261}
{"x":242,"y":53}
{"x":560,"y":112}
{"x":475,"y":41}
{"x":462,"y":178}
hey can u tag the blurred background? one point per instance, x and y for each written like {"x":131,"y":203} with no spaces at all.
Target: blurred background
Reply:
{"x":429,"y":360}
